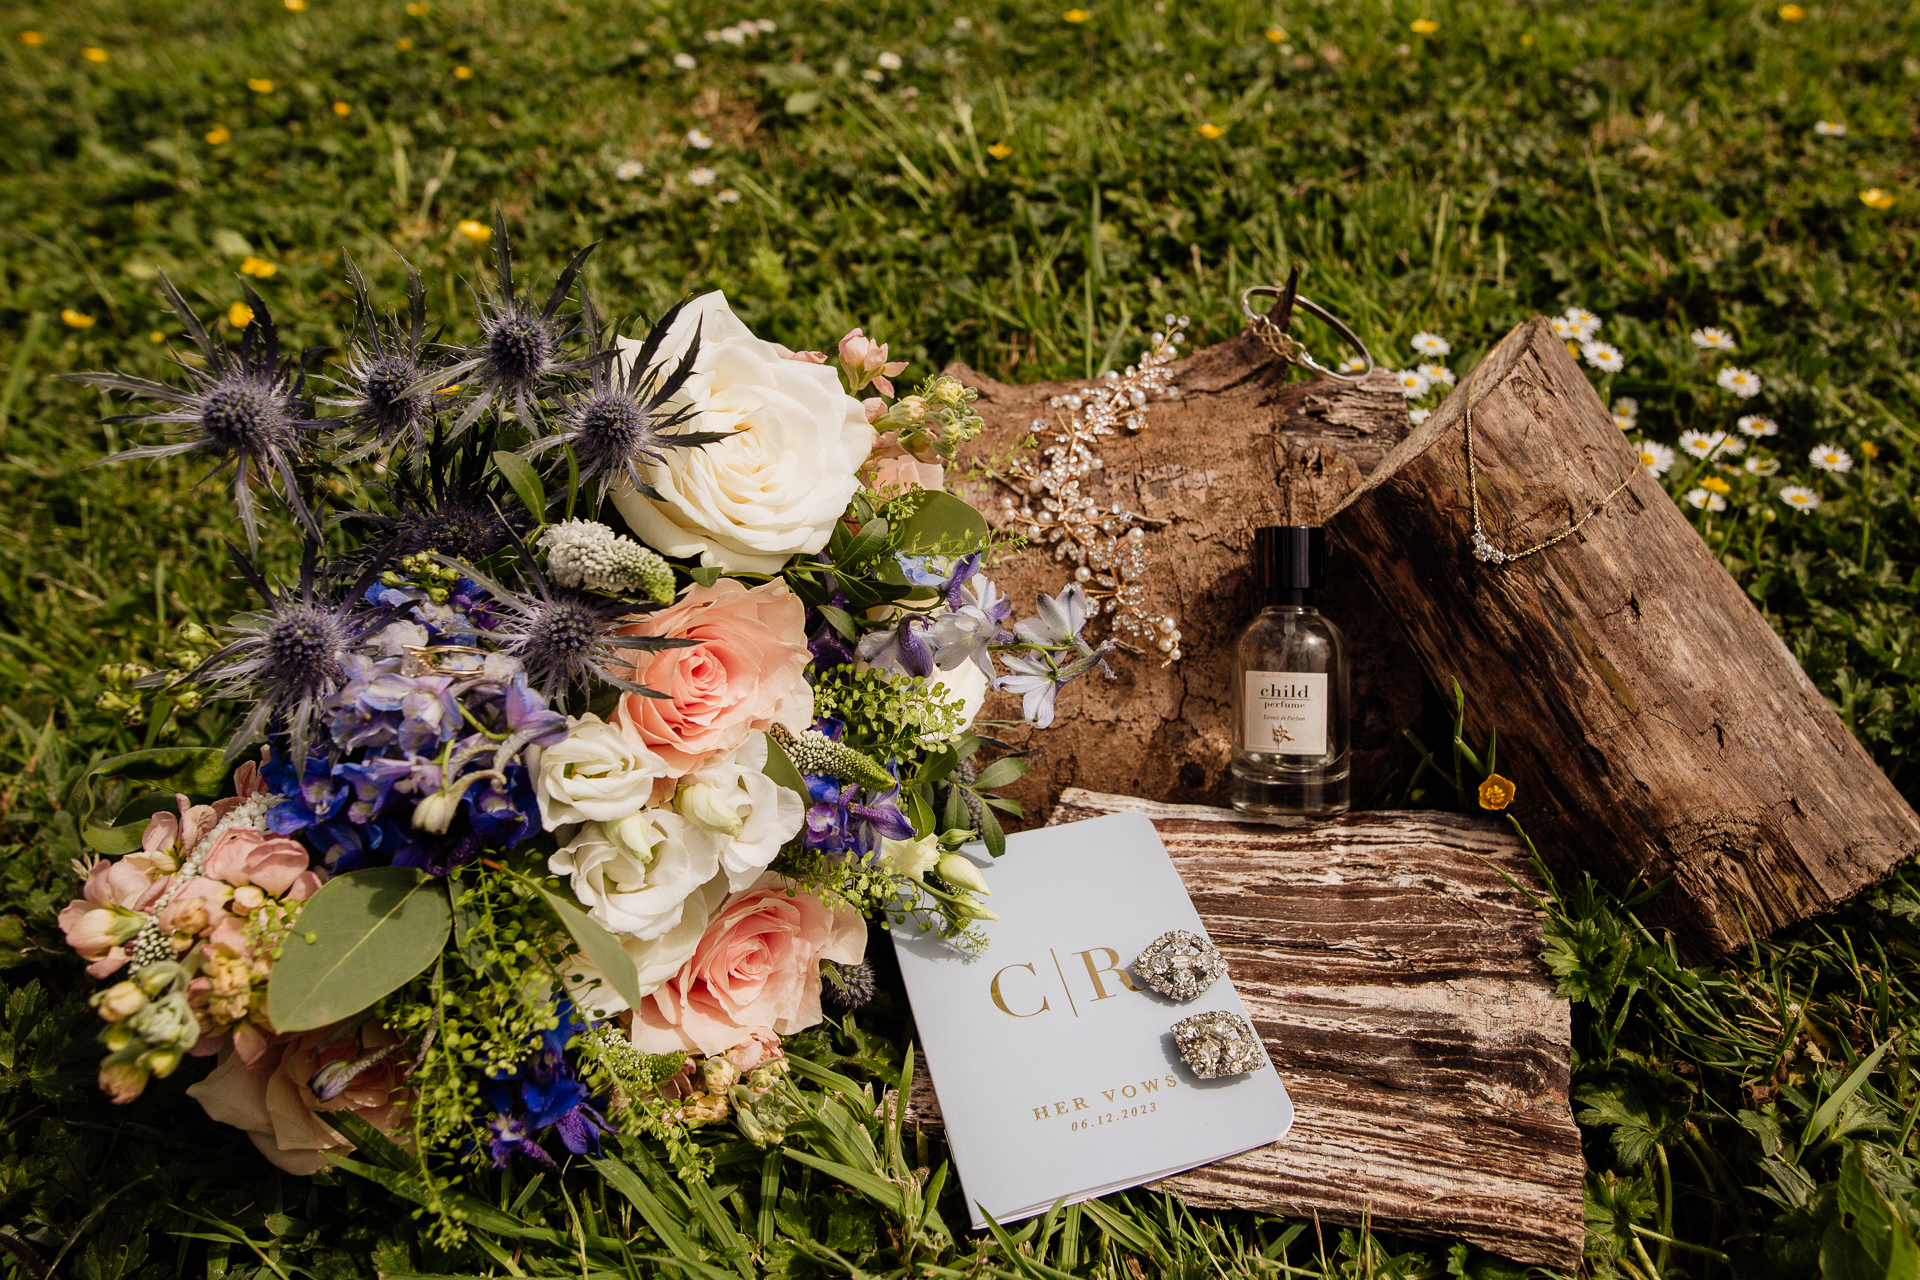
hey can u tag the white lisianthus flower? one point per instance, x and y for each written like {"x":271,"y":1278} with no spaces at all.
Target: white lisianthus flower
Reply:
{"x":966,"y":684}
{"x":777,"y":487}
{"x":911,"y":859}
{"x":654,"y":959}
{"x":633,"y":876}
{"x":596,"y":774}
{"x":747,"y":814}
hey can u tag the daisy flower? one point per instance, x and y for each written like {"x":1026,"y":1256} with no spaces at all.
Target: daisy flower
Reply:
{"x":1657,"y":458}
{"x":1830,"y":457}
{"x":1757,"y":425}
{"x":1712,"y":339}
{"x":1437,"y":374}
{"x":1744,"y":383}
{"x":1418,"y":416}
{"x":1799,"y":497}
{"x":872,"y":77}
{"x":729,"y":196}
{"x":628,"y":170}
{"x":1759,"y":466}
{"x":701,"y":177}
{"x":1413,"y":383}
{"x":698,"y":140}
{"x":1703,"y":444}
{"x":1830,"y":128}
{"x":1563,"y":328}
{"x":1706,"y":499}
{"x":684,"y":61}
{"x":1431,"y":344}
{"x":889,"y":61}
{"x":1352,"y":364}
{"x":1585,"y":323}
{"x":1603,"y":356}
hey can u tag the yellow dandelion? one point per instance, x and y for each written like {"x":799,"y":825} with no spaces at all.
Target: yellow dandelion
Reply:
{"x":258,"y":268}
{"x":1875,"y":198}
{"x":94,"y":53}
{"x":32,"y":39}
{"x":417,"y":10}
{"x":1425,"y":26}
{"x":1076,"y":15}
{"x":463,"y":73}
{"x":403,"y":44}
{"x":76,"y":319}
{"x":295,"y":6}
{"x":239,"y":315}
{"x":343,"y":108}
{"x":219,"y":135}
{"x":156,"y":337}
{"x":1527,"y":39}
{"x":1276,"y":34}
{"x":1714,"y":484}
{"x":478,"y":232}
{"x":1496,"y":792}
{"x":999,"y":151}
{"x":1870,"y":449}
{"x":1211,"y":130}
{"x":260,"y":85}
{"x":1791,"y":13}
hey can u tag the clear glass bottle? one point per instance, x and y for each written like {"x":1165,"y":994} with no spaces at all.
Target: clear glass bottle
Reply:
{"x":1291,"y":749}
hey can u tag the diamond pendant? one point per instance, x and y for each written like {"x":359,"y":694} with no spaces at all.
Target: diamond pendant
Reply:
{"x":1484,"y":551}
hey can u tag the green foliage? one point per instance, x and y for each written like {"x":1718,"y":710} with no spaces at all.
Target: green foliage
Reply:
{"x":890,"y":716}
{"x":365,"y":935}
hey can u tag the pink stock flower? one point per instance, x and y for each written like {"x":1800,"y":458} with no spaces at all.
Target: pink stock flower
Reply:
{"x":107,"y":914}
{"x":907,"y":471}
{"x":874,"y":407}
{"x":746,"y":673}
{"x":756,"y":970}
{"x":807,"y":357}
{"x":866,"y":362}
{"x":168,"y":838}
{"x":243,"y":856}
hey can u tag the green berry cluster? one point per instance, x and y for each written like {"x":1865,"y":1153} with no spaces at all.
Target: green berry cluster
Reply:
{"x":890,"y":716}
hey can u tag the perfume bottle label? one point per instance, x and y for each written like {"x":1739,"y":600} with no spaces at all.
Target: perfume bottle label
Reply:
{"x":1285,"y":713}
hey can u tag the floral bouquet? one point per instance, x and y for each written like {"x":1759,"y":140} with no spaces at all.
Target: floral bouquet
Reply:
{"x":622,"y":682}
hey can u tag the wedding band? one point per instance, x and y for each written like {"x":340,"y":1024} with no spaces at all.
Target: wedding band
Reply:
{"x":1255,"y":320}
{"x":1180,"y":965}
{"x":1217,"y":1044}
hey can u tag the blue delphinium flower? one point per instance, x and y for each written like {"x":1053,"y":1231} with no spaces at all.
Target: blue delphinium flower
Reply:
{"x":1038,"y":673}
{"x":543,"y":1093}
{"x":846,"y":819}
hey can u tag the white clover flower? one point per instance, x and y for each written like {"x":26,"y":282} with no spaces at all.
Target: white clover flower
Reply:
{"x":1758,"y":425}
{"x":1712,"y":339}
{"x":684,"y":61}
{"x":698,"y":140}
{"x":1759,"y":466}
{"x":889,"y":61}
{"x":871,"y":76}
{"x":1830,"y":128}
{"x":701,"y":177}
{"x":1709,"y":501}
{"x":1830,"y":457}
{"x":1703,"y":444}
{"x":1744,"y":383}
{"x":1657,"y":458}
{"x":1584,"y":323}
{"x":628,"y":170}
{"x":1436,"y":374}
{"x":1418,"y":416}
{"x":1799,"y":497}
{"x":586,"y":553}
{"x":1413,"y":383}
{"x":1431,"y":344}
{"x":1603,"y":356}
{"x":729,"y":196}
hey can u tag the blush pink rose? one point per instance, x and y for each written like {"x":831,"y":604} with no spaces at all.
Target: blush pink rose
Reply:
{"x":756,"y":970}
{"x":744,"y":675}
{"x":270,"y":1100}
{"x":278,"y":865}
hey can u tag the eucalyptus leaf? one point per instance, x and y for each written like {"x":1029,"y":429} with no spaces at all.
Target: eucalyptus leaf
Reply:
{"x":365,"y":935}
{"x":601,"y":949}
{"x":941,"y":523}
{"x":525,"y":482}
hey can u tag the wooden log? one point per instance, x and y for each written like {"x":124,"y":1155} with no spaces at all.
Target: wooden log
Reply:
{"x":1656,"y":725}
{"x":1241,"y":446}
{"x":1393,"y":973}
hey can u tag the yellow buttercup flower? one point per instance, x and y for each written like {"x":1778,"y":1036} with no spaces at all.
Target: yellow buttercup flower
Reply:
{"x":1276,"y":34}
{"x":1211,"y":130}
{"x":93,"y":53}
{"x":260,"y":85}
{"x":478,"y":232}
{"x":1875,"y":198}
{"x":1425,"y":26}
{"x":403,"y":44}
{"x":1527,"y":39}
{"x":1714,"y":484}
{"x":342,"y":108}
{"x":239,"y":315}
{"x":1791,"y":13}
{"x":1870,"y":449}
{"x":76,"y":319}
{"x":32,"y":39}
{"x":156,"y":337}
{"x":1076,"y":15}
{"x":1496,"y":792}
{"x":219,"y":135}
{"x":295,"y":6}
{"x":258,"y":268}
{"x":417,"y":10}
{"x":463,"y":73}
{"x":999,"y":151}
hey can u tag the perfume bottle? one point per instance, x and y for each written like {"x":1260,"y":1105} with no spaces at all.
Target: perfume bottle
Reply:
{"x":1290,"y":745}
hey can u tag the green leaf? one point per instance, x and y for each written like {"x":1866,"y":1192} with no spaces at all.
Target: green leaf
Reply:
{"x":600,"y":948}
{"x":992,"y":834}
{"x":200,"y":773}
{"x":865,"y":545}
{"x":839,"y":619}
{"x":780,"y":768}
{"x":365,"y":935}
{"x":1823,"y":1118}
{"x":804,"y":102}
{"x":706,"y":575}
{"x":525,"y":482}
{"x":942,"y":523}
{"x":1002,"y":772}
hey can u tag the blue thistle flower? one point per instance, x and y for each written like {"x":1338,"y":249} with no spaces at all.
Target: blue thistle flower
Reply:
{"x":384,"y":398}
{"x":452,"y":505}
{"x":245,"y":409}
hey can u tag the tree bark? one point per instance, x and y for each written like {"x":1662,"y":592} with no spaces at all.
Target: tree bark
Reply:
{"x":1392,"y":969}
{"x":1655,"y":724}
{"x":1239,"y":447}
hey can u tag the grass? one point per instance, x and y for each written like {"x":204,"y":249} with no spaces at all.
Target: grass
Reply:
{"x":1029,"y":195}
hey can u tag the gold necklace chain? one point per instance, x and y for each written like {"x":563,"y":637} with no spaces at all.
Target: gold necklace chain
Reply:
{"x":1483,"y":548}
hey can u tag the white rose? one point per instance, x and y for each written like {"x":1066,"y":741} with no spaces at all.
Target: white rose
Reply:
{"x":596,"y":774}
{"x":735,"y":792}
{"x":654,"y":960}
{"x":635,"y":875}
{"x":775,"y":489}
{"x":965,"y":684}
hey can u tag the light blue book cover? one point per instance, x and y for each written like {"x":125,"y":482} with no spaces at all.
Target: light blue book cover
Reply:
{"x":1056,"y":1068}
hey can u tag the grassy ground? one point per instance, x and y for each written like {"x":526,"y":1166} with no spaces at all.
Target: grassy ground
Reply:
{"x":1026,"y":193}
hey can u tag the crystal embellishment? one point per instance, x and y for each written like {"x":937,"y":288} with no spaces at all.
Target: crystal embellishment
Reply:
{"x":1180,"y":965}
{"x":1485,"y":551}
{"x":1217,"y":1044}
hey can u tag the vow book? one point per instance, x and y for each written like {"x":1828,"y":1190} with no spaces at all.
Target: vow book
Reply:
{"x":1056,"y":1067}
